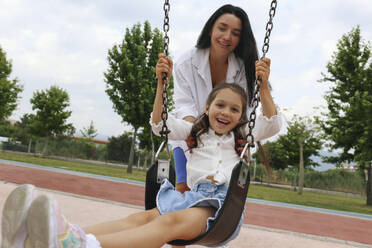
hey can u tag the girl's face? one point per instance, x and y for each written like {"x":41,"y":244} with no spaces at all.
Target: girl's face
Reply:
{"x":225,"y":34}
{"x":225,"y":111}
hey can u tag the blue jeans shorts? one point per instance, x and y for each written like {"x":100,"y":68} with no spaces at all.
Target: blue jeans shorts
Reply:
{"x":203,"y":195}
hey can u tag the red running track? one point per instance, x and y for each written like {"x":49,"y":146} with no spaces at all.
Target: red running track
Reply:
{"x":294,"y":220}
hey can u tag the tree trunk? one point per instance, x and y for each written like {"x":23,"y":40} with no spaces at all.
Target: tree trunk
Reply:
{"x":301,"y":172}
{"x":266,"y":162}
{"x":45,"y":146}
{"x":152,"y":149}
{"x":369,"y":185}
{"x":131,"y":154}
{"x":29,"y":146}
{"x":145,"y":161}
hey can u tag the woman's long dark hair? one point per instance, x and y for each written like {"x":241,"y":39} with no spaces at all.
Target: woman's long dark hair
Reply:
{"x":201,"y":124}
{"x":246,"y":49}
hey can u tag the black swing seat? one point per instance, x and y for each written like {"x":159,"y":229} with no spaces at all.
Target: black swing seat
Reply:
{"x":230,"y":213}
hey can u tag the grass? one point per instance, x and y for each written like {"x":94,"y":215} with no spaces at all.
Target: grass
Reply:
{"x":311,"y":199}
{"x":318,"y":200}
{"x":137,"y":175}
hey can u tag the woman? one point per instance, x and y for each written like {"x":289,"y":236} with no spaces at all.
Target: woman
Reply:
{"x":226,"y":51}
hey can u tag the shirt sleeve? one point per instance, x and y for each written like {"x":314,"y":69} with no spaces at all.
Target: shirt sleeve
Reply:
{"x":183,"y":97}
{"x":266,"y":127}
{"x":179,"y":129}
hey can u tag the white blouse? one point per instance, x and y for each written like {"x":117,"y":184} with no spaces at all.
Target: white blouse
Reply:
{"x":193,"y":80}
{"x":215,"y":155}
{"x":193,"y":83}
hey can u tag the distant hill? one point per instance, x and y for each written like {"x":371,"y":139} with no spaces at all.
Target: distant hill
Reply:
{"x":323,"y":166}
{"x":99,"y":136}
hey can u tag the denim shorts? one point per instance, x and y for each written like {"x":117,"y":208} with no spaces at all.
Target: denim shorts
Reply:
{"x":203,"y":195}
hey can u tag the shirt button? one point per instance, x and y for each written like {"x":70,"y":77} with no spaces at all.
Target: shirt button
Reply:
{"x":218,"y":143}
{"x":220,"y":161}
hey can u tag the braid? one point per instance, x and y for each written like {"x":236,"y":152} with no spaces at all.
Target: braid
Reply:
{"x":239,"y":137}
{"x":201,"y":125}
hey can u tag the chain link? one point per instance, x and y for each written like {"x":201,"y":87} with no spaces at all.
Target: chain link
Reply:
{"x":265,"y":49}
{"x":164,"y":115}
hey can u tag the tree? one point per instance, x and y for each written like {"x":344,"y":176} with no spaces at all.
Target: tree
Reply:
{"x":300,"y":130}
{"x":348,"y":122}
{"x":89,"y":132}
{"x":130,"y":79}
{"x":9,"y":89}
{"x":274,"y":154}
{"x":118,"y":147}
{"x":27,"y":133}
{"x":51,"y":114}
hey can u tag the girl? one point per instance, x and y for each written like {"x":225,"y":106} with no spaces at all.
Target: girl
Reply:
{"x":213,"y":140}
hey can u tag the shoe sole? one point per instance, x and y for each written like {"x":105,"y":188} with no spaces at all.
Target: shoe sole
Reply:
{"x":15,"y":210}
{"x":41,"y":225}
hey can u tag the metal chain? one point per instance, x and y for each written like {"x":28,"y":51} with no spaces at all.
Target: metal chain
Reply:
{"x":255,"y":101}
{"x":164,"y":115}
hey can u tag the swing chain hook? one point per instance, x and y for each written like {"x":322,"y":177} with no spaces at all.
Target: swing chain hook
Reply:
{"x":255,"y":101}
{"x":164,"y":115}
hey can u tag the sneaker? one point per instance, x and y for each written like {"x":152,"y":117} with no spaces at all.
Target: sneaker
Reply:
{"x":13,"y":222}
{"x":48,"y":228}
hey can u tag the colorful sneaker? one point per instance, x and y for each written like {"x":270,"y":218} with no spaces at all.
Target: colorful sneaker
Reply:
{"x":13,"y":222}
{"x":48,"y":228}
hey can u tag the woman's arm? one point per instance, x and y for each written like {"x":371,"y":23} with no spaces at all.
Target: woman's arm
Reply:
{"x":263,"y":71}
{"x":164,"y":64}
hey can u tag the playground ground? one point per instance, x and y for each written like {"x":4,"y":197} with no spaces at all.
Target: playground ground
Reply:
{"x":87,"y":199}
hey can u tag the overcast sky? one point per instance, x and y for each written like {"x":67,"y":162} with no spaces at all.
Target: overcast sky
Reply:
{"x":65,"y":43}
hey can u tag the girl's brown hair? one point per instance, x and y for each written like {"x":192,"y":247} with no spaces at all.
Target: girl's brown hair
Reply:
{"x":201,"y":124}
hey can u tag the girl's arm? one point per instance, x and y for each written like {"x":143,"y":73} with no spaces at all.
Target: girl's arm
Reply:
{"x":164,"y":64}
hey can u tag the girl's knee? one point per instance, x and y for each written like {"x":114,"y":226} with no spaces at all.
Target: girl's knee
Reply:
{"x":144,"y":217}
{"x":186,"y":224}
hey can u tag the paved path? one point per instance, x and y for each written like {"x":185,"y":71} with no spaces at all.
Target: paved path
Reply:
{"x":258,"y":216}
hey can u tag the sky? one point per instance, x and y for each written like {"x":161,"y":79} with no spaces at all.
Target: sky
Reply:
{"x":65,"y":43}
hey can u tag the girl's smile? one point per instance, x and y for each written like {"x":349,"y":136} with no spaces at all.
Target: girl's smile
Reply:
{"x":225,"y":111}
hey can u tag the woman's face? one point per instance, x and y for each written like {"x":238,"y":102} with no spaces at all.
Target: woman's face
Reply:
{"x":225,"y":34}
{"x":225,"y":111}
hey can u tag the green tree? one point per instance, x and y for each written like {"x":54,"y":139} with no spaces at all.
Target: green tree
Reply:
{"x":130,"y":78}
{"x":300,"y":130}
{"x":274,"y":154}
{"x":348,"y":121}
{"x":118,"y":147}
{"x":303,"y":140}
{"x":51,"y":115}
{"x":89,"y":132}
{"x":27,"y":134}
{"x":9,"y":89}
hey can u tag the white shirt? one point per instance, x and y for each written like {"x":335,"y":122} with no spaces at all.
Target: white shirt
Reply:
{"x":215,"y":155}
{"x":193,"y":83}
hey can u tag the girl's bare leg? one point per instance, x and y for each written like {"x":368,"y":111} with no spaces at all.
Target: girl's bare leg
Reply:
{"x":131,"y":221}
{"x":184,"y":224}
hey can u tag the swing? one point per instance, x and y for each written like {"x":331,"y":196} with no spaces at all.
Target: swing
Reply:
{"x":232,"y":209}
